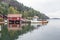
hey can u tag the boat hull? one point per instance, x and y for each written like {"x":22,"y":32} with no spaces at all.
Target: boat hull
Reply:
{"x":39,"y":21}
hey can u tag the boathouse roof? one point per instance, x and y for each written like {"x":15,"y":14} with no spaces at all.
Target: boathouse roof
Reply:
{"x":14,"y":15}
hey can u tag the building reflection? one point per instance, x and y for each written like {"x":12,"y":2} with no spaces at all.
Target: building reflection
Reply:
{"x":15,"y":26}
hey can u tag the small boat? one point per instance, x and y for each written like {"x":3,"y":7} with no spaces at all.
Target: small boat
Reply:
{"x":5,"y":21}
{"x":39,"y":21}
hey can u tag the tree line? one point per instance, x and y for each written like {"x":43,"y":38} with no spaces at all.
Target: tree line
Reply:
{"x":14,"y":7}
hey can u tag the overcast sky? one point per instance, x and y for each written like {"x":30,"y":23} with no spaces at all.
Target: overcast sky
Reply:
{"x":49,"y":7}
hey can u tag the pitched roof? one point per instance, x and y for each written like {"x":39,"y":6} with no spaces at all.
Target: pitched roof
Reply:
{"x":14,"y":15}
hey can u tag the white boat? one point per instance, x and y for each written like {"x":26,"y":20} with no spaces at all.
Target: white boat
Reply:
{"x":5,"y":21}
{"x":32,"y":21}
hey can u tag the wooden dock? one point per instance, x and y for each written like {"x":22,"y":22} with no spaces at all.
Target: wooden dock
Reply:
{"x":1,"y":22}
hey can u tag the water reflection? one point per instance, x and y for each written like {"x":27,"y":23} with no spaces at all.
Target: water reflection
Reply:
{"x":12,"y":31}
{"x":14,"y":27}
{"x":37,"y":25}
{"x":0,"y":27}
{"x":0,"y":35}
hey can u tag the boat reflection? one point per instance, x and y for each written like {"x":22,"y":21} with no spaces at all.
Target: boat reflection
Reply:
{"x":36,"y":25}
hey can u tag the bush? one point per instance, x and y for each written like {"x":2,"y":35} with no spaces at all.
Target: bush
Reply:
{"x":1,"y":20}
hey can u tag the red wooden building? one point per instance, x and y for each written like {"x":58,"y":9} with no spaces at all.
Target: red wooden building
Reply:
{"x":14,"y":19}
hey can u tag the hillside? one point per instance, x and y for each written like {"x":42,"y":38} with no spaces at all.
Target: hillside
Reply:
{"x":13,"y":6}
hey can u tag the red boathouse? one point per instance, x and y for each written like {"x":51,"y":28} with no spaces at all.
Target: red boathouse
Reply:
{"x":14,"y":19}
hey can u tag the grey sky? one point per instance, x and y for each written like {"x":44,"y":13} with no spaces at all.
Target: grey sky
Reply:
{"x":49,"y":7}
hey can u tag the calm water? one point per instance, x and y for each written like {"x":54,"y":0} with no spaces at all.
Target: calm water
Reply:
{"x":47,"y":31}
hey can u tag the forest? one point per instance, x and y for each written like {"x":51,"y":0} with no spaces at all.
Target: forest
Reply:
{"x":14,"y":7}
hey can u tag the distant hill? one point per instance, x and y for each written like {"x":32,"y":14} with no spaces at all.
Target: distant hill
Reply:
{"x":55,"y":18}
{"x":24,"y":10}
